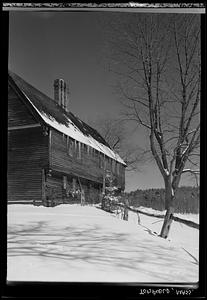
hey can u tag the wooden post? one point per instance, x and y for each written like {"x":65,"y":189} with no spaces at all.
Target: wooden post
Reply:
{"x":82,"y":197}
{"x":43,"y":187}
{"x":49,"y":148}
{"x":82,"y":193}
{"x":139,"y":220}
{"x":126,"y":205}
{"x":104,"y":175}
{"x":74,"y":184}
{"x":104,"y":183}
{"x":64,"y":194}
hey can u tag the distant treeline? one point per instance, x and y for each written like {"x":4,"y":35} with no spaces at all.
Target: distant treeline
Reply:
{"x":186,"y":200}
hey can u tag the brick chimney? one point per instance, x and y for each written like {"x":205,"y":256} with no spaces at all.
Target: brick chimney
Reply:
{"x":61,"y":93}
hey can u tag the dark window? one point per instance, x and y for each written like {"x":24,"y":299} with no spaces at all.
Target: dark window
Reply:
{"x":84,"y":148}
{"x":104,"y":161}
{"x":113,"y":166}
{"x":121,"y":169}
{"x":101,"y":161}
{"x":76,"y":148}
{"x":96,"y":153}
{"x":107,"y":162}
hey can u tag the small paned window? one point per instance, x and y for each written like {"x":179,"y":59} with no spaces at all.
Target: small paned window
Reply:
{"x":118,"y":166}
{"x":79,"y":150}
{"x":84,"y":148}
{"x":96,"y":153}
{"x":70,"y":146}
{"x":101,"y":161}
{"x":75,"y":148}
{"x":104,"y":162}
{"x":64,"y":137}
{"x":64,"y":182}
{"x":107,"y":162}
{"x":113,"y":166}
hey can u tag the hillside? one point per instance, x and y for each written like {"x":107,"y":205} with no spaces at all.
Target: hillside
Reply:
{"x":186,"y":200}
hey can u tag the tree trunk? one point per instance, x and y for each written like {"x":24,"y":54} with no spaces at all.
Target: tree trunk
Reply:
{"x":139,"y":220}
{"x":167,"y":222}
{"x":125,"y":215}
{"x":168,"y":194}
{"x":169,"y":205}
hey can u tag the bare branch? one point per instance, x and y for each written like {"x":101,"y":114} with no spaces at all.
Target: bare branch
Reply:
{"x":132,"y":98}
{"x":191,"y":171}
{"x":139,"y":119}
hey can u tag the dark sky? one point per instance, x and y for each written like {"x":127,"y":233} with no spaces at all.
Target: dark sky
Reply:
{"x":44,"y":46}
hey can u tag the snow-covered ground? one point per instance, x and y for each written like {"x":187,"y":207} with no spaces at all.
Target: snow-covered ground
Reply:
{"x":75,"y":243}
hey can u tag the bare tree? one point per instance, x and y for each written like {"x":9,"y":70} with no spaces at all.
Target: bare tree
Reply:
{"x":157,"y":59}
{"x":112,"y":131}
{"x":117,"y":136}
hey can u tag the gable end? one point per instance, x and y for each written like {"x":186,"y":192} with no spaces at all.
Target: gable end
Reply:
{"x":20,"y":111}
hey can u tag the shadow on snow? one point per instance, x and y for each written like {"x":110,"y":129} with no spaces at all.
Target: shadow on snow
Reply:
{"x":94,"y":246}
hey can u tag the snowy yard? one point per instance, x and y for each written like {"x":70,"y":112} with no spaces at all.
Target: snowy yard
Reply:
{"x":75,"y":243}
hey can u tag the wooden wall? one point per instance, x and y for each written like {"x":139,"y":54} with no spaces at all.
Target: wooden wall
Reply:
{"x":67,"y":189}
{"x":86,"y":166}
{"x":18,"y":113}
{"x":27,"y":156}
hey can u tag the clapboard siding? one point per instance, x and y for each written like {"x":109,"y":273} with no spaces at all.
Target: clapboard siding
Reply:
{"x":54,"y":190}
{"x":18,"y":113}
{"x":87,"y":166}
{"x":61,"y":161}
{"x":57,"y":192}
{"x":27,"y":156}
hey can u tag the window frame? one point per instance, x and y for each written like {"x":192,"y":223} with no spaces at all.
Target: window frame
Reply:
{"x":70,"y":146}
{"x":79,"y":146}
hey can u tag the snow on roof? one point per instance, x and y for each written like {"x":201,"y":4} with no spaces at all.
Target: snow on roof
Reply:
{"x":65,"y":122}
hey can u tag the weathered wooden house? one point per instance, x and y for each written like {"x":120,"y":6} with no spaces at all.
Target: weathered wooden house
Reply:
{"x":52,"y":155}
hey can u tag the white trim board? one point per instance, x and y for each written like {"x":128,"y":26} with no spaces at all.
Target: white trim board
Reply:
{"x":23,"y":126}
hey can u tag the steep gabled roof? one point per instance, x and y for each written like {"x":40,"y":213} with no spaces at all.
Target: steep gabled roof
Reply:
{"x":66,"y":122}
